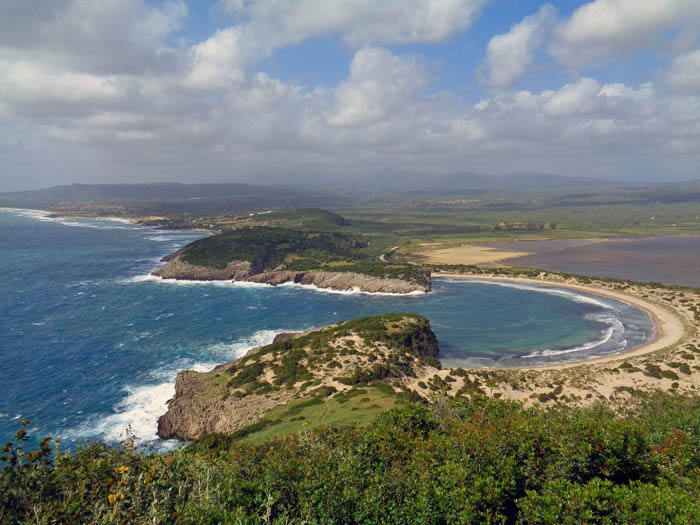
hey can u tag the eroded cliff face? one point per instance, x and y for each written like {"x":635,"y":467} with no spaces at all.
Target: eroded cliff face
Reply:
{"x":176,"y":268}
{"x":179,"y":269}
{"x":335,"y":359}
{"x":345,"y":281}
{"x":199,"y":407}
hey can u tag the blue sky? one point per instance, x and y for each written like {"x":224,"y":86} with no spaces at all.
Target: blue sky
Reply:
{"x":325,"y":61}
{"x":267,"y":90}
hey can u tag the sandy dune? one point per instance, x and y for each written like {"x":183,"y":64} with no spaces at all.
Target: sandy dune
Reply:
{"x":464,"y":254}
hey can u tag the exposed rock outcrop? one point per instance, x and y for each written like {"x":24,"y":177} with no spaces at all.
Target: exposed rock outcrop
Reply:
{"x":176,"y":268}
{"x":340,"y":281}
{"x":179,"y":269}
{"x":199,"y":408}
{"x":286,"y":335}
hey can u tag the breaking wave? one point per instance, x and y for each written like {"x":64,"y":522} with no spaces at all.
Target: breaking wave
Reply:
{"x":136,"y":415}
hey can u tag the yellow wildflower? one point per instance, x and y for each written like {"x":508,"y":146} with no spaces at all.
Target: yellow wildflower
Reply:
{"x":113,"y":498}
{"x":123,"y":469}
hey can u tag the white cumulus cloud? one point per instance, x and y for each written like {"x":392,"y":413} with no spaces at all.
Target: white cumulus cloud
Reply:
{"x":359,"y":22}
{"x":602,"y":29}
{"x":510,"y":54}
{"x":379,"y":83}
{"x":684,"y":72}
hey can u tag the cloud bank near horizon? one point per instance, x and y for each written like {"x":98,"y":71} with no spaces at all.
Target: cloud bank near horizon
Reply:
{"x":129,"y":90}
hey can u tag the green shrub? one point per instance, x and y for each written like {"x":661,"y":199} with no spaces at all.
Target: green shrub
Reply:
{"x":470,"y":461}
{"x":683,"y":367}
{"x":652,"y":370}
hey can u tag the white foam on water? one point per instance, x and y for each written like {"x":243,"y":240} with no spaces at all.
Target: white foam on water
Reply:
{"x":43,"y":215}
{"x":230,"y":351}
{"x":137,"y":414}
{"x":192,"y":282}
{"x":248,"y":284}
{"x":25,"y":211}
{"x":78,"y":224}
{"x":139,"y":279}
{"x":352,"y":291}
{"x":167,"y":238}
{"x":118,"y":219}
{"x":613,"y":334}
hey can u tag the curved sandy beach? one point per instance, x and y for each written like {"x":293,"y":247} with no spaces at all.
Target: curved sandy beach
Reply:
{"x":670,"y":328}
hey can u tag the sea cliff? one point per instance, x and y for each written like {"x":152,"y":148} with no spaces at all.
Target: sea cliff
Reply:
{"x":246,"y":271}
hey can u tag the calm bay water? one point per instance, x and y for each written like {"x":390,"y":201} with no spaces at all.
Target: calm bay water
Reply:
{"x":89,"y":344}
{"x":665,"y":259}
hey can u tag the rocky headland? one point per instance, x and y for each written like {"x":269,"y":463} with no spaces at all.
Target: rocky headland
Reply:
{"x":393,"y":349}
{"x":242,"y":271}
{"x":275,"y":256}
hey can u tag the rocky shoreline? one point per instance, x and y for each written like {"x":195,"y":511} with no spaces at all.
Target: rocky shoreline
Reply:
{"x":176,"y":268}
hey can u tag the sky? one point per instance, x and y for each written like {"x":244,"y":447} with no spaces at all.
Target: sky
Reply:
{"x":279,"y":91}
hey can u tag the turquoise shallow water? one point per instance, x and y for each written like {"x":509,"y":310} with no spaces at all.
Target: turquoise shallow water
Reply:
{"x":90,"y":344}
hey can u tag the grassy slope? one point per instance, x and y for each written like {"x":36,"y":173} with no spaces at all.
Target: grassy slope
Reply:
{"x":359,"y":406}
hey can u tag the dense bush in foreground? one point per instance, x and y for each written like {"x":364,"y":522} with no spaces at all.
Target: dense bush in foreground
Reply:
{"x":469,"y":462}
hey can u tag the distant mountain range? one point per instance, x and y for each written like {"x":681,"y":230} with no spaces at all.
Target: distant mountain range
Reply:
{"x":93,"y":193}
{"x":170,"y":197}
{"x":167,"y":198}
{"x":520,"y":181}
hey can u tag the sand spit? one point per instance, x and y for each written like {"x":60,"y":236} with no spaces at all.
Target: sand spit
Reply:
{"x":464,"y":254}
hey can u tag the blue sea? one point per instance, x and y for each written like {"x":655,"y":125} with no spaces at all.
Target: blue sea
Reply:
{"x":90,"y":344}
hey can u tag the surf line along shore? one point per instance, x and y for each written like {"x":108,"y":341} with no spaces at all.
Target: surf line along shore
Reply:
{"x":668,"y":325}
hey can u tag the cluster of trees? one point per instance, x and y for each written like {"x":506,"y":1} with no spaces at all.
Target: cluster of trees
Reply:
{"x":270,"y":246}
{"x":466,"y":461}
{"x":528,"y":226}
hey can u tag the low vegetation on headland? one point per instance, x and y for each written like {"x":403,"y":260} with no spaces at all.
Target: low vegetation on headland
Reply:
{"x":317,"y":367}
{"x":274,"y":255}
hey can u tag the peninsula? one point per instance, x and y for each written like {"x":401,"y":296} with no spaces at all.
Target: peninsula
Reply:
{"x":274,"y":256}
{"x":337,"y":360}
